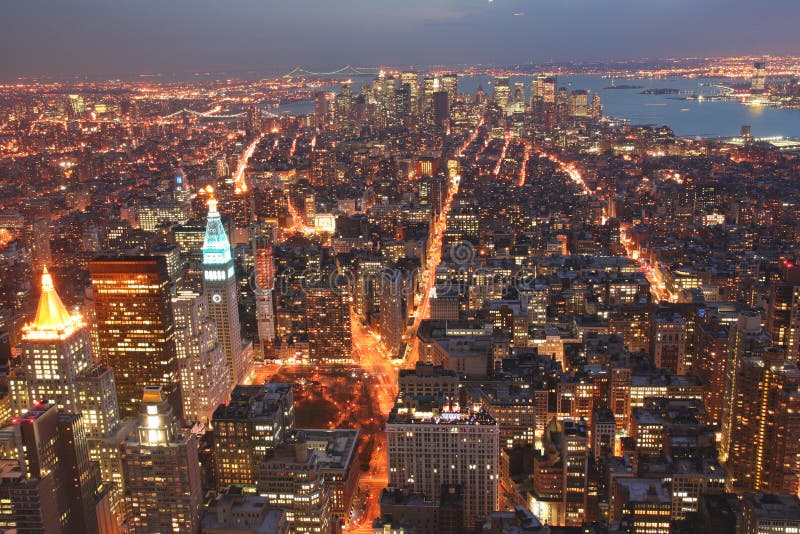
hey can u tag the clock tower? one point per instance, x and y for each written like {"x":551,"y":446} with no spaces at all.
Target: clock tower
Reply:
{"x":219,"y":286}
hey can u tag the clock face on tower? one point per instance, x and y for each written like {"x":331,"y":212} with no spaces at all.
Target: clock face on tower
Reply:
{"x":217,"y":298}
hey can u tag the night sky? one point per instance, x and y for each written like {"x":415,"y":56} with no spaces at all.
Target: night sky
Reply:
{"x":109,"y":38}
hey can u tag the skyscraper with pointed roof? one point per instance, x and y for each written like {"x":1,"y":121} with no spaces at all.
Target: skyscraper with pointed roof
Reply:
{"x":219,"y":284}
{"x":58,"y":367}
{"x":55,"y":348}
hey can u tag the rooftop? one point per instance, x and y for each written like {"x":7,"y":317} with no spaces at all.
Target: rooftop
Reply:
{"x":437,"y":411}
{"x":52,"y":320}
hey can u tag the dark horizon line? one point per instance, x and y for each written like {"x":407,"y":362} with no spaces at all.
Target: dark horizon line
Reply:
{"x":264,"y":73}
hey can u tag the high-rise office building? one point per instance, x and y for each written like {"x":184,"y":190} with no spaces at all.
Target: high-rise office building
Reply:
{"x":54,"y":457}
{"x":55,"y":349}
{"x":254,"y":422}
{"x":441,"y":108}
{"x":758,"y":82}
{"x":219,"y":285}
{"x":432,"y":441}
{"x":264,"y":278}
{"x":669,"y":343}
{"x":578,"y":103}
{"x":560,"y":474}
{"x":783,"y":315}
{"x":253,"y":123}
{"x":329,"y":333}
{"x":519,"y":93}
{"x":548,"y":89}
{"x":205,"y":383}
{"x":430,"y":84}
{"x":162,"y":471}
{"x":765,"y":437}
{"x":323,"y":169}
{"x":748,"y":340}
{"x":134,"y":325}
{"x":450,"y":86}
{"x":502,"y":91}
{"x":411,"y":79}
{"x":58,"y":367}
{"x":290,"y":477}
{"x":321,"y":109}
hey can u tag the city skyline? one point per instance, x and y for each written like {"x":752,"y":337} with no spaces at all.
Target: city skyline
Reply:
{"x":102,"y":40}
{"x":489,"y":297}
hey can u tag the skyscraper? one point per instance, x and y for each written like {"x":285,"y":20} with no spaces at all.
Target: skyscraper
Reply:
{"x":55,"y":458}
{"x":255,"y":421}
{"x":205,"y":383}
{"x":320,"y":109}
{"x":411,"y":79}
{"x":55,"y":349}
{"x":290,"y":477}
{"x":58,"y":367}
{"x":392,"y":290}
{"x":560,"y":473}
{"x":441,"y":108}
{"x":430,"y":84}
{"x":162,"y":471}
{"x":264,"y":285}
{"x":219,"y":285}
{"x":329,"y":333}
{"x":783,"y":317}
{"x":432,"y":441}
{"x":765,"y":435}
{"x":502,"y":92}
{"x":758,"y":82}
{"x":135,"y":329}
{"x":450,"y":86}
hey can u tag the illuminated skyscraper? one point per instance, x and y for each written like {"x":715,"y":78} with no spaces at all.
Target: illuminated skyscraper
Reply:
{"x":519,"y":96}
{"x":135,"y":329}
{"x":783,"y":317}
{"x":320,"y":109}
{"x":58,"y":367}
{"x":55,"y":348}
{"x":254,"y":422}
{"x":432,"y":441}
{"x":548,"y":89}
{"x":450,"y":86}
{"x":579,"y":103}
{"x":291,"y":478}
{"x":765,"y":438}
{"x":162,"y":471}
{"x":253,"y":125}
{"x":329,"y":333}
{"x":205,"y":383}
{"x":411,"y":79}
{"x":264,"y":284}
{"x":392,"y":290}
{"x":748,"y":340}
{"x":430,"y":84}
{"x":560,"y":473}
{"x":758,"y":81}
{"x":219,"y":284}
{"x":323,"y":167}
{"x":502,"y":92}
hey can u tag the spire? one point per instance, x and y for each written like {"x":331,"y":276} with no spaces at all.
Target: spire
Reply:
{"x":52,"y":317}
{"x":216,"y":247}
